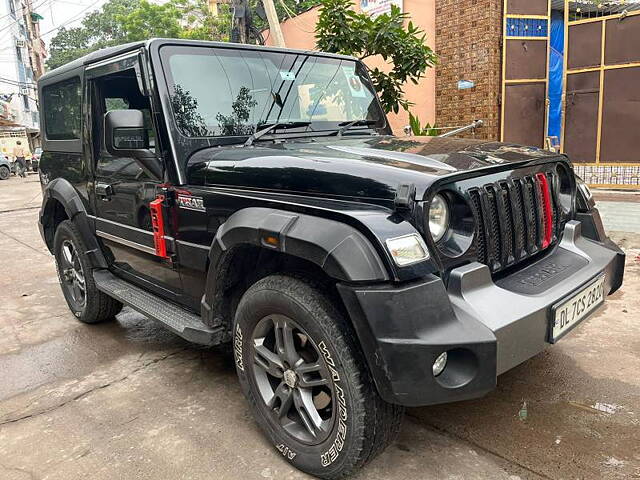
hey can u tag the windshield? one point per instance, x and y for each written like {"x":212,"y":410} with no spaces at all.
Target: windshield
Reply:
{"x":219,"y":91}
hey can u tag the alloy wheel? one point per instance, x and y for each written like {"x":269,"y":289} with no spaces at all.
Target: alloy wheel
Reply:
{"x":72,"y":275}
{"x":293,"y":380}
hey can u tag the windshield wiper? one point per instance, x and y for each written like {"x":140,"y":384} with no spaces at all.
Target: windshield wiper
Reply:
{"x":355,"y":123}
{"x":267,"y":127}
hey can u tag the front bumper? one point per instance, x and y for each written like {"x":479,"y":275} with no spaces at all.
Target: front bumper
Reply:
{"x":486,"y":326}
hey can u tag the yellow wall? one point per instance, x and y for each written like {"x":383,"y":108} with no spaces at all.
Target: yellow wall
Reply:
{"x":299,"y":33}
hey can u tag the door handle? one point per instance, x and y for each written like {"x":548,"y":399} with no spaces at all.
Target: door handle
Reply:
{"x":104,"y":190}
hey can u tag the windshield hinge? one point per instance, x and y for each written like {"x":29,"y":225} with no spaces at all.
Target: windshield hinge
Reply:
{"x":405,"y":196}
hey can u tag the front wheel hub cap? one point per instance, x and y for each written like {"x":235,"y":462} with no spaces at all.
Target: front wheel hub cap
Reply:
{"x":290,"y":378}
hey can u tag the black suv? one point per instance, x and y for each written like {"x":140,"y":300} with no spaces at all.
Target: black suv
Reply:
{"x":256,"y":196}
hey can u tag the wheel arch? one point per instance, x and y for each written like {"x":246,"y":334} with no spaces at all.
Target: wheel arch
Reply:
{"x":61,"y":201}
{"x":256,"y":240}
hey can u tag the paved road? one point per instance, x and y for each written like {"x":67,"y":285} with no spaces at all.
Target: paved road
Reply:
{"x":131,"y":400}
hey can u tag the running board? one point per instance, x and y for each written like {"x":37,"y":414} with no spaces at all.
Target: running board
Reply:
{"x":180,"y":321}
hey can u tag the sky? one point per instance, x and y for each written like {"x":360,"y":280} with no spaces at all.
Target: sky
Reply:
{"x":67,"y":13}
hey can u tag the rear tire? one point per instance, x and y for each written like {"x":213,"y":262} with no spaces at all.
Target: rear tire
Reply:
{"x":5,"y":172}
{"x":280,"y":322}
{"x":87,"y":303}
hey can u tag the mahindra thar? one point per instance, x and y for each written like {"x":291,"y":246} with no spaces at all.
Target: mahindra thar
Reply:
{"x":256,"y":197}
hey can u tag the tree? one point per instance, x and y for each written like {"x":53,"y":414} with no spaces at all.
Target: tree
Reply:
{"x":150,"y":20}
{"x":68,"y":45}
{"x":235,"y":124}
{"x":341,"y":30}
{"x":189,"y":121}
{"x":202,"y":24}
{"x":122,"y":21}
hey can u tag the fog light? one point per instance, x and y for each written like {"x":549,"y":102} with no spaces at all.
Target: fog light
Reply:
{"x":439,"y":364}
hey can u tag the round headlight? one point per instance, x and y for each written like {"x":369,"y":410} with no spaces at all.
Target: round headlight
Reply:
{"x":438,"y":217}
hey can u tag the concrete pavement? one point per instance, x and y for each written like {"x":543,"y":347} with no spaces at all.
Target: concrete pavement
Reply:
{"x":130,"y":400}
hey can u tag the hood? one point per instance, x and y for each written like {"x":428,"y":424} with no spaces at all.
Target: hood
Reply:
{"x":364,"y":168}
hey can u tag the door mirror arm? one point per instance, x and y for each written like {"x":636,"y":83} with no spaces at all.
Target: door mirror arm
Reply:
{"x":126,"y":136}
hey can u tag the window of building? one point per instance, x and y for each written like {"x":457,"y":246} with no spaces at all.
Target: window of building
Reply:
{"x":25,"y":100}
{"x":62,"y":110}
{"x":12,"y":8}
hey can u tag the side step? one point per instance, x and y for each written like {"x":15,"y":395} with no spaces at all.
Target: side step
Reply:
{"x":180,"y":321}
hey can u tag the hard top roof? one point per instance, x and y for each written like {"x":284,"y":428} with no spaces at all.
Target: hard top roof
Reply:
{"x":106,"y":53}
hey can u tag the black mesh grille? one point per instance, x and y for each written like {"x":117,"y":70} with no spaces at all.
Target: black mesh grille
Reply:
{"x":531,"y":220}
{"x":481,"y":248}
{"x":519,"y":227}
{"x":510,"y":220}
{"x":494,"y":242}
{"x":504,"y":204}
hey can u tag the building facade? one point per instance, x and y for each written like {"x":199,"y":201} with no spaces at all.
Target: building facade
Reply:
{"x":22,"y":55}
{"x":559,"y":74}
{"x":299,"y":33}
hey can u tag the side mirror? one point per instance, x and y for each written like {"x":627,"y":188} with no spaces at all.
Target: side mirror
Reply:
{"x":125,"y":136}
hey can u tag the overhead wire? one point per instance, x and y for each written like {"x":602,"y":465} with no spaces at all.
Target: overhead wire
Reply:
{"x":17,"y":83}
{"x":17,"y":16}
{"x":72,"y":19}
{"x":6,"y":29}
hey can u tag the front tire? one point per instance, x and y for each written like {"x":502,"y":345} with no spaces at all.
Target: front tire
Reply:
{"x":5,"y":172}
{"x":87,"y":303}
{"x":306,"y":380}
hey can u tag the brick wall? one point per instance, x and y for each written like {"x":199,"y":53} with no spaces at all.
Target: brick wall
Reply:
{"x":468,"y":44}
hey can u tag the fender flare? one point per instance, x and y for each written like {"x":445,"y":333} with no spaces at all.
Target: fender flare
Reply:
{"x":339,"y":249}
{"x":63,"y":191}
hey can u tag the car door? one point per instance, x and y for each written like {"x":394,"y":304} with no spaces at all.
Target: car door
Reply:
{"x":123,"y":191}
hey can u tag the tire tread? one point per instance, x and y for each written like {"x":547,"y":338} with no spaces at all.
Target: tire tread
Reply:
{"x":382,"y":420}
{"x":101,"y":307}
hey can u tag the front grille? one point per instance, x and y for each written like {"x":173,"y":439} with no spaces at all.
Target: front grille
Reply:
{"x":512,"y":219}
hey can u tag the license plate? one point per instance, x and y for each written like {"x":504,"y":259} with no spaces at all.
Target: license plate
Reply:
{"x":571,"y":312}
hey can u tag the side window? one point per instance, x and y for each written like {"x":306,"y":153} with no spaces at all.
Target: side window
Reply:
{"x":117,"y":103}
{"x":62,"y":110}
{"x":119,"y":91}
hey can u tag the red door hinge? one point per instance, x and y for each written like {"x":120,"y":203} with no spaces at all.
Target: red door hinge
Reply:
{"x":157,"y":222}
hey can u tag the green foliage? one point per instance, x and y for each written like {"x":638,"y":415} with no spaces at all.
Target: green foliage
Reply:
{"x":68,"y":45}
{"x":341,"y":30}
{"x":235,"y":124}
{"x":202,"y":24}
{"x":189,"y":121}
{"x":420,"y":131}
{"x":150,"y":20}
{"x":122,"y":21}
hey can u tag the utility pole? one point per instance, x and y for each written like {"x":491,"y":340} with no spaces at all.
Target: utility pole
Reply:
{"x":239,"y":32}
{"x":274,"y":23}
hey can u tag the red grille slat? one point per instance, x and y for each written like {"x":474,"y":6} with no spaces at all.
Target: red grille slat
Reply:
{"x":547,"y":210}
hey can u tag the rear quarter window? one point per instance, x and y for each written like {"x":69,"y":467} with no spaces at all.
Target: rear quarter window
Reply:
{"x":62,"y":110}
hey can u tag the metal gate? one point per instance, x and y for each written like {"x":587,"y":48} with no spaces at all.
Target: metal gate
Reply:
{"x":601,"y":84}
{"x":525,"y":60}
{"x":601,"y":121}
